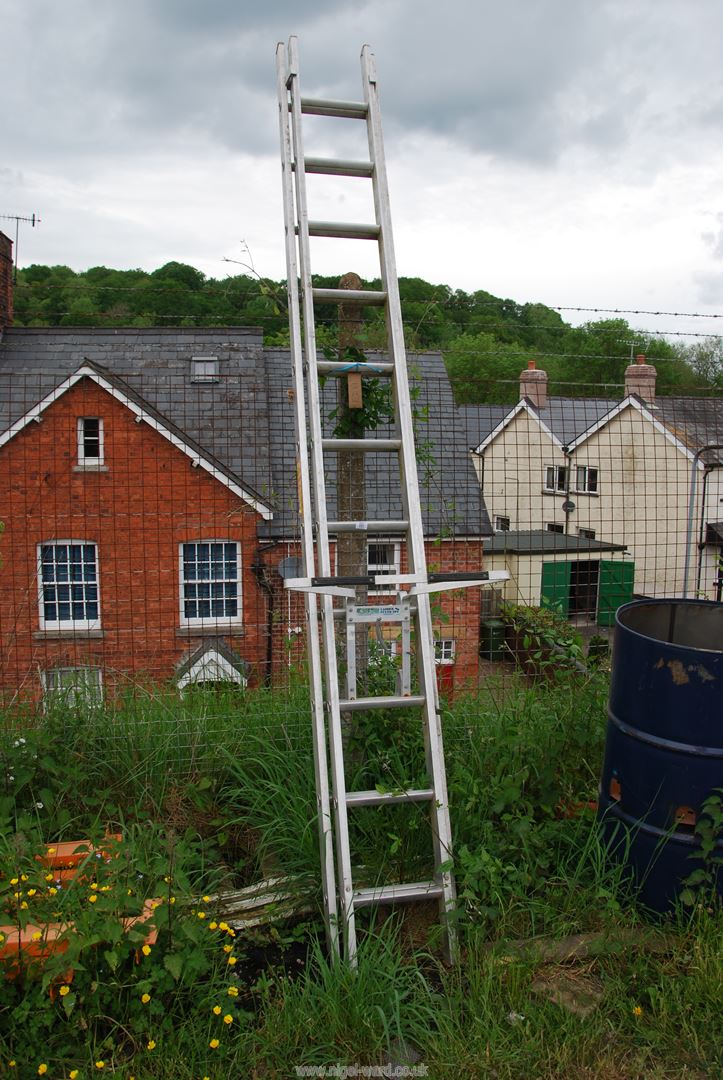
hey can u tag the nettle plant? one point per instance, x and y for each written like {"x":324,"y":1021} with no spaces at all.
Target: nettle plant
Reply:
{"x":102,"y":963}
{"x":543,"y":633}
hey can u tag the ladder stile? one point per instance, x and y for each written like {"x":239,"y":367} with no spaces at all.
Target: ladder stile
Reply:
{"x":336,"y":751}
{"x":321,"y":775}
{"x":442,"y":831}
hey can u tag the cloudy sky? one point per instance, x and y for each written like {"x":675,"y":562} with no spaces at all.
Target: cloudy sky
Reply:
{"x":560,"y":151}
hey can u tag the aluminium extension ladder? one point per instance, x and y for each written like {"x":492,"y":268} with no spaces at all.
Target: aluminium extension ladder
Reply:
{"x":342,"y":898}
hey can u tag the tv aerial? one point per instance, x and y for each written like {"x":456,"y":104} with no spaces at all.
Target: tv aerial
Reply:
{"x":33,"y":220}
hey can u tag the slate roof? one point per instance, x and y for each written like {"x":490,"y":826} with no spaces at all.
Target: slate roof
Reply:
{"x":544,"y":542}
{"x":245,"y":420}
{"x":695,"y":421}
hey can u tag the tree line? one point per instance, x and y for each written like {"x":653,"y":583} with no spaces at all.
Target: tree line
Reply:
{"x":485,"y":340}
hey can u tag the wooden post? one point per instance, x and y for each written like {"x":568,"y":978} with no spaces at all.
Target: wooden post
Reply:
{"x":351,"y":495}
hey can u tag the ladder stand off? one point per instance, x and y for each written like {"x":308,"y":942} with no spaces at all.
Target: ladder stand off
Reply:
{"x":342,"y":896}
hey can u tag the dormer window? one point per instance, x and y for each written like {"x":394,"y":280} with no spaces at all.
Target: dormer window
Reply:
{"x":90,"y":441}
{"x":204,"y":369}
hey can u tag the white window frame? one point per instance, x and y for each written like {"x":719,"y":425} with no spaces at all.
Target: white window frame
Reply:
{"x":582,"y":482}
{"x":206,"y":621}
{"x":386,"y":567}
{"x":205,"y":369}
{"x":86,"y":460}
{"x":559,"y":478}
{"x":71,"y":623}
{"x":586,"y":534}
{"x":505,"y":526}
{"x":83,"y":686}
{"x":445,"y":650}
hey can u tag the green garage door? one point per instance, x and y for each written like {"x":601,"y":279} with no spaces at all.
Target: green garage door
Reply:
{"x":555,"y":586}
{"x":615,"y":588}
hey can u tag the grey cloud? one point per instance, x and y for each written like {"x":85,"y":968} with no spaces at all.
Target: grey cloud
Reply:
{"x":709,"y":288}
{"x":524,"y":81}
{"x":714,"y":239}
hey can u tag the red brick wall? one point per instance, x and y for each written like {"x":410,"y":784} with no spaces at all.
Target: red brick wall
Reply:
{"x":455,"y":614}
{"x":6,"y":281}
{"x":147,"y":501}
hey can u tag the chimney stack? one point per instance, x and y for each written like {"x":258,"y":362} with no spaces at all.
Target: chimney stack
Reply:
{"x":6,"y":281}
{"x":640,"y":380}
{"x":533,"y":385}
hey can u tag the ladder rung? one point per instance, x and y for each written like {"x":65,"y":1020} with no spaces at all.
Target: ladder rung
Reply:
{"x":395,"y":894}
{"x":344,"y":296}
{"x":344,"y":230}
{"x":461,"y":575}
{"x":337,"y":167}
{"x":400,"y":526}
{"x":367,"y":446}
{"x":356,"y":110}
{"x":378,"y":798}
{"x":392,"y":702}
{"x":340,"y":367}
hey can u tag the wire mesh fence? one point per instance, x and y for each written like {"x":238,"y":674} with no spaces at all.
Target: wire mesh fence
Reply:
{"x":150,"y":511}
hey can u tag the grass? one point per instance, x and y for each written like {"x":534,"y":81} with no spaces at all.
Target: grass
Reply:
{"x":215,"y":790}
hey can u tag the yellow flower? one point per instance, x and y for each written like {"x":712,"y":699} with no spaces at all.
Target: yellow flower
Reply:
{"x":232,"y":960}
{"x":24,"y":877}
{"x":52,"y":850}
{"x":214,"y":1043}
{"x":217,"y":1010}
{"x":73,"y":1074}
{"x":52,"y":892}
{"x":232,"y":991}
{"x":14,"y":880}
{"x":92,"y":899}
{"x":42,"y":1069}
{"x":223,"y":926}
{"x":146,"y":950}
{"x":94,"y":884}
{"x":48,"y":877}
{"x":172,"y":900}
{"x":145,"y":998}
{"x":32,"y":892}
{"x":201,"y":914}
{"x":24,"y":905}
{"x":206,"y":899}
{"x":12,"y":1063}
{"x":151,"y":1044}
{"x":64,"y":991}
{"x":100,"y":1064}
{"x":37,"y":936}
{"x":228,"y":1019}
{"x":637,"y":1010}
{"x":105,"y":888}
{"x":228,"y":948}
{"x":213,"y":926}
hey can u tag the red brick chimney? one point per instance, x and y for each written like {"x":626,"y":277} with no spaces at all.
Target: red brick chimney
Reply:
{"x":533,"y":385}
{"x":6,"y":281}
{"x":640,"y":379}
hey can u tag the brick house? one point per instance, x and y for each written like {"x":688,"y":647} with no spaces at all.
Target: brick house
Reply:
{"x":148,"y":495}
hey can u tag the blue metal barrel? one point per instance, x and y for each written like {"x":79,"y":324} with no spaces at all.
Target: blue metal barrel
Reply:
{"x":664,"y":746}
